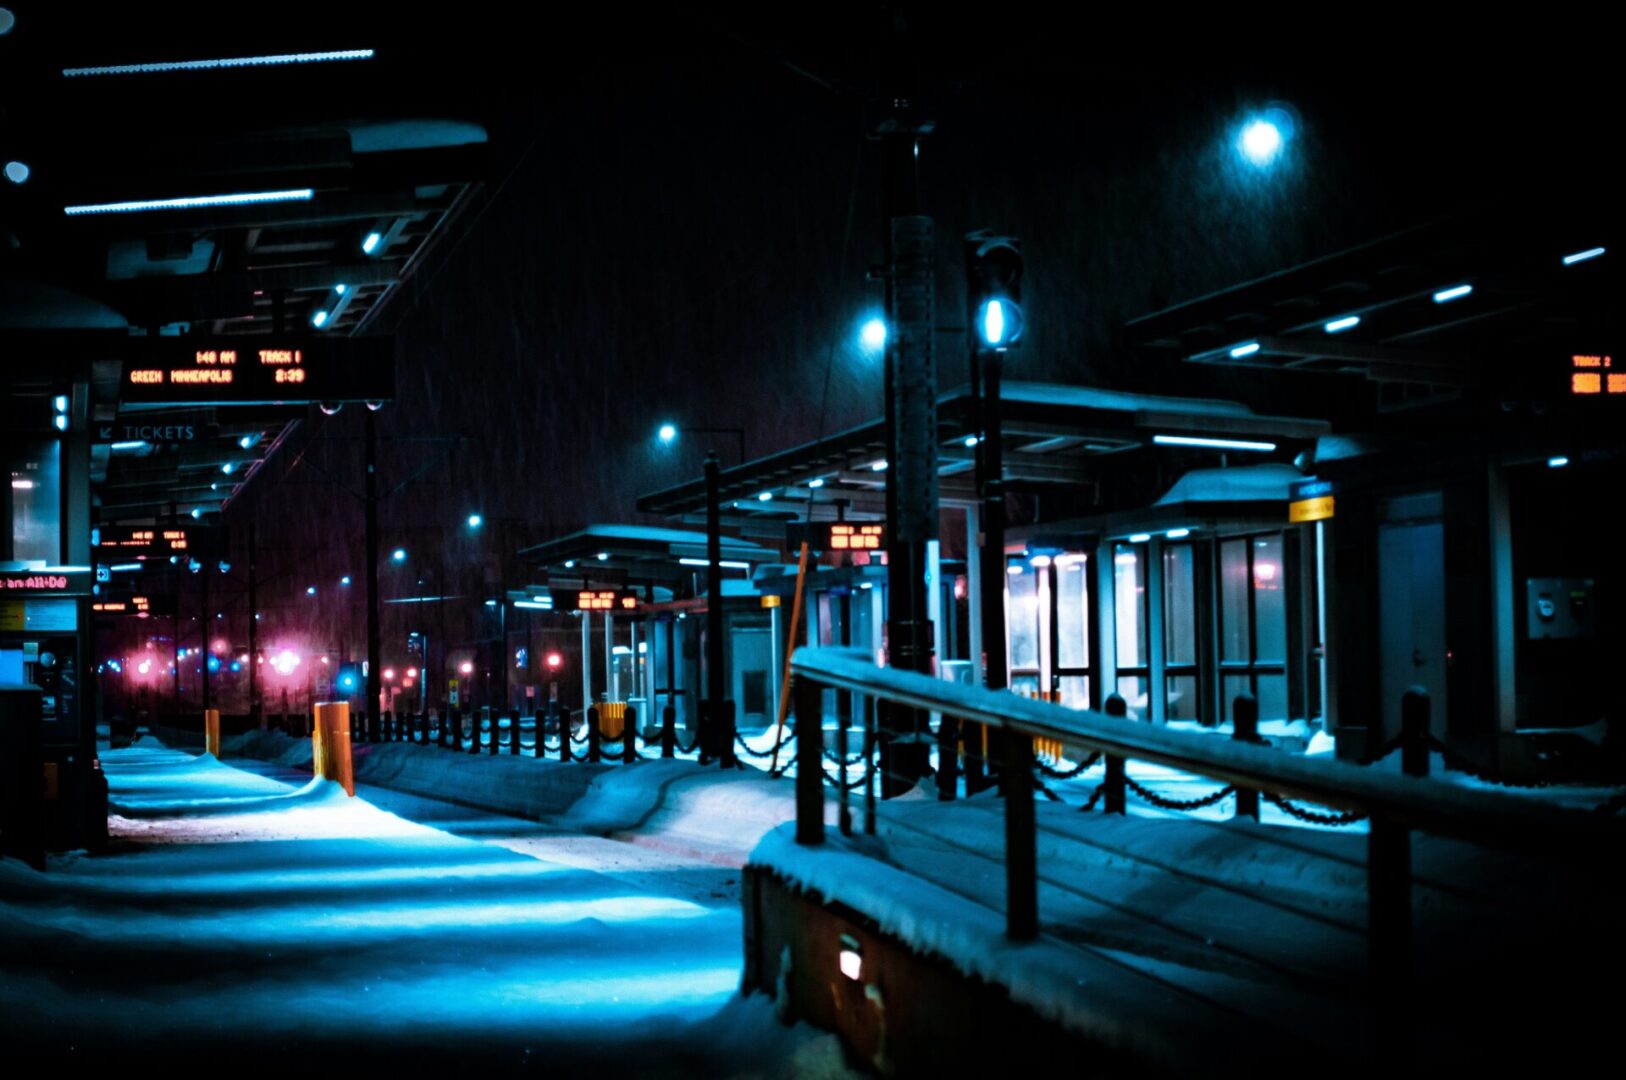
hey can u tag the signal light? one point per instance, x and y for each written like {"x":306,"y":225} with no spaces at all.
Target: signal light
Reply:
{"x":994,"y":274}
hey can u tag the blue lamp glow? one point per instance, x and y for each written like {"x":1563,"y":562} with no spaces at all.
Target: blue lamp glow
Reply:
{"x":370,"y":244}
{"x":191,"y":202}
{"x":668,"y":433}
{"x":1455,"y":292}
{"x":399,"y":555}
{"x":475,"y":521}
{"x":872,"y":335}
{"x":1264,"y":137}
{"x":17,"y":172}
{"x":1348,"y":322}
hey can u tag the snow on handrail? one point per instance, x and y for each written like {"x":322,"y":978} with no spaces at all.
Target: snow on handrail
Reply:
{"x":1487,"y":817}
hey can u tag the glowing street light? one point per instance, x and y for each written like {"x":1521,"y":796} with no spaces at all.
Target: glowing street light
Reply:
{"x":668,"y":434}
{"x":398,"y":555}
{"x":466,"y":667}
{"x":872,"y":335}
{"x":1264,"y":137}
{"x":475,"y":521}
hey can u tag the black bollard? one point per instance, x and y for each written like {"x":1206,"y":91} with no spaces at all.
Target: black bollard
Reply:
{"x":1245,"y":729}
{"x":564,"y":734}
{"x":513,"y":733}
{"x":669,"y":731}
{"x":629,"y":735}
{"x":592,"y":733}
{"x":1116,"y":799}
{"x":1414,"y":709}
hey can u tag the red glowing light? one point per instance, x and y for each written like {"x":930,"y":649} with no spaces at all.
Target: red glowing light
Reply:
{"x":554,"y":660}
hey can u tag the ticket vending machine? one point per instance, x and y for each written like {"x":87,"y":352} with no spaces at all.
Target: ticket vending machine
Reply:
{"x":44,"y":644}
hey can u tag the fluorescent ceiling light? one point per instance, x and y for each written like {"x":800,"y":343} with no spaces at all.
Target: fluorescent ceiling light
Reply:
{"x":1140,"y":538}
{"x":1217,"y":444}
{"x":192,"y":202}
{"x":1583,"y":256}
{"x":1455,"y":292}
{"x":275,"y":60}
{"x":1348,"y":322}
{"x":1247,"y":349}
{"x":1177,"y":534}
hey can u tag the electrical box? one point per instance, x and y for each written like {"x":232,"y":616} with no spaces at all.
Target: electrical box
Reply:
{"x":1561,"y":607}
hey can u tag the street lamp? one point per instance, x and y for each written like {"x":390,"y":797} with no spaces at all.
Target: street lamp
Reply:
{"x":1263,"y":137}
{"x":475,"y":521}
{"x":872,"y":335}
{"x":668,"y":433}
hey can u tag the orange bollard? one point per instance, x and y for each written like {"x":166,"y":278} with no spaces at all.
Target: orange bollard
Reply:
{"x":330,"y":745}
{"x":211,"y":732}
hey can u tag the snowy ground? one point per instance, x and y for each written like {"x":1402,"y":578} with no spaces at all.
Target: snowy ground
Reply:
{"x":242,"y":916}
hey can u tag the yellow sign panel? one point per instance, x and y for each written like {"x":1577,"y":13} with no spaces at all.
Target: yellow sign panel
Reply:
{"x":770,"y":600}
{"x":11,"y":615}
{"x":1310,"y":509}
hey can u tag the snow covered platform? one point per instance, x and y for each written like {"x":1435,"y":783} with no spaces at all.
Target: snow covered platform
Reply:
{"x":1177,"y":946}
{"x":241,"y":921}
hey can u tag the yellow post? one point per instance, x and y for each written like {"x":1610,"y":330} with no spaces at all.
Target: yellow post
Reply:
{"x":612,"y":720}
{"x":330,"y":745}
{"x":211,"y":732}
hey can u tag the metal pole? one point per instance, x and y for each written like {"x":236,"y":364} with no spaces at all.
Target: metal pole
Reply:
{"x":255,"y":711}
{"x":373,"y":674}
{"x":203,"y":629}
{"x":717,"y":726}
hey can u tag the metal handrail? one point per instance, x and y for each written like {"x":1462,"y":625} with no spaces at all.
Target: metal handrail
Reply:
{"x":1395,"y":804}
{"x":1485,"y":817}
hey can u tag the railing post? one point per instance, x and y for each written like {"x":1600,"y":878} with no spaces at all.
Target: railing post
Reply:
{"x":476,"y":726}
{"x":809,"y":698}
{"x":629,"y":735}
{"x":870,"y":764}
{"x":513,"y":733}
{"x":669,"y":731}
{"x":564,"y":733}
{"x":1245,"y":729}
{"x":1414,"y":710}
{"x":1021,"y":854}
{"x":1116,"y":797}
{"x":726,"y":725}
{"x":592,"y":733}
{"x":844,"y":814}
{"x":493,"y":720}
{"x":948,"y":757}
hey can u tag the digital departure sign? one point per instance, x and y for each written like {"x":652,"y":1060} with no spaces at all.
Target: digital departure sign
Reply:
{"x":852,"y":536}
{"x":1595,"y":375}
{"x":257,"y":371}
{"x":606,"y":600}
{"x":138,"y":540}
{"x":843,"y":536}
{"x":53,"y":581}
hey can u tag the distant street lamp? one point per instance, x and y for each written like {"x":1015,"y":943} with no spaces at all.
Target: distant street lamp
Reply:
{"x":1264,"y":137}
{"x":872,"y":335}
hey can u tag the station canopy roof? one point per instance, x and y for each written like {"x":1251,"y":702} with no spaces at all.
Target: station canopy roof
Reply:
{"x":1470,"y":300}
{"x":1052,"y":435}
{"x":611,"y":555}
{"x":201,"y":181}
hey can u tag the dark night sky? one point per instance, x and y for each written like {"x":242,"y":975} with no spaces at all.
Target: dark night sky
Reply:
{"x":666,"y":236}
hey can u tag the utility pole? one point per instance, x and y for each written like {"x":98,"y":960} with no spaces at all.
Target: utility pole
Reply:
{"x":374,"y":689}
{"x":911,"y":418}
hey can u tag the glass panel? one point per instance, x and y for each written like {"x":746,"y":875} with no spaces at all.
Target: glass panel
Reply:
{"x":1129,"y":595}
{"x":1025,"y":685}
{"x":1273,"y":697}
{"x":36,"y":502}
{"x":1022,"y":611}
{"x":1269,"y":601}
{"x":1179,"y":604}
{"x":1132,"y":688}
{"x":1234,"y":601}
{"x":1182,"y":697}
{"x":1075,"y":691}
{"x":1072,"y":612}
{"x":1231,"y":686}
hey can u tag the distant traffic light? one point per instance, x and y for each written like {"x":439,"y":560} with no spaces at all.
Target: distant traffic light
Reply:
{"x":349,"y":678}
{"x":994,"y":277}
